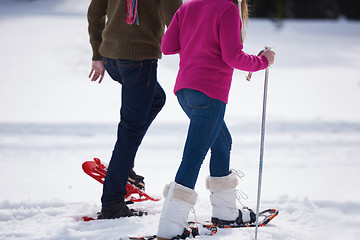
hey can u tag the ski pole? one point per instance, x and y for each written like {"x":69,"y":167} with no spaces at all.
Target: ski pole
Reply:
{"x":261,"y":150}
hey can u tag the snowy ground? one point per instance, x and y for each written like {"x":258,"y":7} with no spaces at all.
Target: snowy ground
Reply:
{"x":53,"y":119}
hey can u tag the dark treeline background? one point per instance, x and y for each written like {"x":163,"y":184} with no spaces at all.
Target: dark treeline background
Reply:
{"x":305,"y":9}
{"x":302,"y":9}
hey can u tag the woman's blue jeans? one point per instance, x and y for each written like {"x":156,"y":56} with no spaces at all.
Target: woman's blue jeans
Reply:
{"x":142,"y":98}
{"x":207,"y":130}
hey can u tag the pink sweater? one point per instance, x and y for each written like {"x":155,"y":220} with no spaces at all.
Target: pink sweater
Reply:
{"x":207,"y":34}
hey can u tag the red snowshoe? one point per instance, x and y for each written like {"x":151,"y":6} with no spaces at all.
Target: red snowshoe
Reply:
{"x":97,"y":170}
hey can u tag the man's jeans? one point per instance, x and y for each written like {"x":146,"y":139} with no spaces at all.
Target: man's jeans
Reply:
{"x":141,"y":100}
{"x":207,"y":130}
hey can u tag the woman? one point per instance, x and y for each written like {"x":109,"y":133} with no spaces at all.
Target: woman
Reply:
{"x":207,"y":35}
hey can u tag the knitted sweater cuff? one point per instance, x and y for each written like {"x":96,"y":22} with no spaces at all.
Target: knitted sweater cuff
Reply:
{"x":96,"y":55}
{"x":264,"y":62}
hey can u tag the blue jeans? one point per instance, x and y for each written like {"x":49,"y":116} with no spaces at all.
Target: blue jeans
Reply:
{"x":207,"y":130}
{"x":142,"y":98}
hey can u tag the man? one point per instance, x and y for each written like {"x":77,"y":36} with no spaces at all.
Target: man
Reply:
{"x":125,"y":36}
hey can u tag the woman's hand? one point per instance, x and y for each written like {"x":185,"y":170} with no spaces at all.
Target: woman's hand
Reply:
{"x":270,"y":55}
{"x":97,"y":71}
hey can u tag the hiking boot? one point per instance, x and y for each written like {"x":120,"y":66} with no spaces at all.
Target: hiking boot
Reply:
{"x":136,"y":180}
{"x":117,"y":210}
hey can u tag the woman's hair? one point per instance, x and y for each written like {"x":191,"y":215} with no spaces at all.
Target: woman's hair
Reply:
{"x":244,"y":13}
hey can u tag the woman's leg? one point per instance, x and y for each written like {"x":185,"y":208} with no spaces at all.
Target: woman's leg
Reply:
{"x":220,"y":153}
{"x":206,"y":118}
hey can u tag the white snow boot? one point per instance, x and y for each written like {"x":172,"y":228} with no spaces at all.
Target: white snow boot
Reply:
{"x":223,"y":201}
{"x":178,"y":203}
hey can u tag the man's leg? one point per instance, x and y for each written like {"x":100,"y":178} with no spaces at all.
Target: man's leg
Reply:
{"x":138,"y":79}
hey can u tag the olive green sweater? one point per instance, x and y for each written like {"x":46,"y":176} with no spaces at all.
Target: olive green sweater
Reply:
{"x":111,"y":37}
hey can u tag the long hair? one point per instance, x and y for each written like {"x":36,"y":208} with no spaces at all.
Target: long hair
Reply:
{"x":244,"y":14}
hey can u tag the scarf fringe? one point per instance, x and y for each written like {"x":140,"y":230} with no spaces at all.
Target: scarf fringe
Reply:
{"x":131,"y":12}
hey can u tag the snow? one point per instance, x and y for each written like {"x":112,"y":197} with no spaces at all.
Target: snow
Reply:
{"x":53,"y":119}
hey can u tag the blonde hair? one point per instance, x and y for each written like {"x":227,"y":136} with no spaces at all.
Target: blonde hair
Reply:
{"x":244,"y":15}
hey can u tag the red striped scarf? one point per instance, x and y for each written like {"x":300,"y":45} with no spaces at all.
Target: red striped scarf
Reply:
{"x":131,"y":12}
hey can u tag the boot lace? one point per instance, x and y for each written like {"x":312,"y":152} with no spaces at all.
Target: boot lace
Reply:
{"x":240,"y":174}
{"x":240,"y":194}
{"x":193,"y":212}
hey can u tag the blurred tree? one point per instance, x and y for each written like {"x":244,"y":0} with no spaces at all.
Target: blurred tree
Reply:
{"x":315,"y":9}
{"x":349,"y":8}
{"x":280,"y":9}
